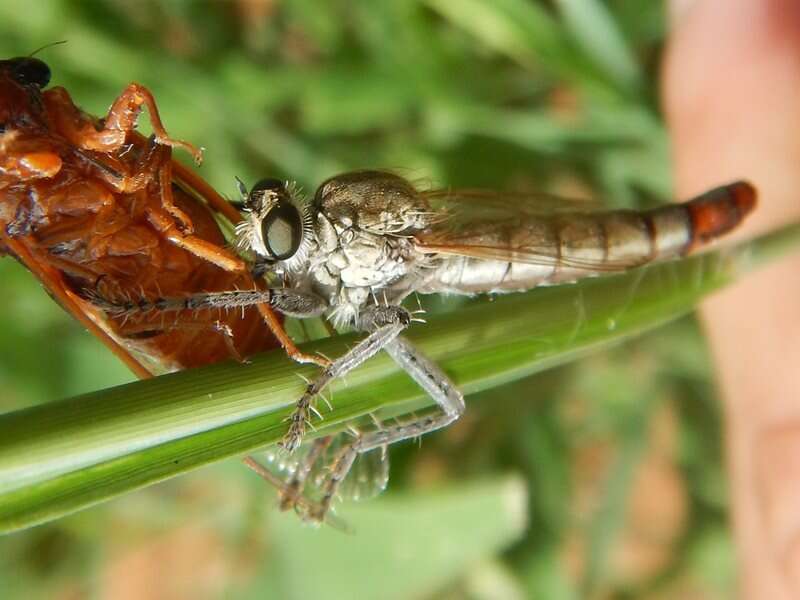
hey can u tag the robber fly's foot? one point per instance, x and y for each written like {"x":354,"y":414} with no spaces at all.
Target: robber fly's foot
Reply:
{"x":290,"y":496}
{"x":308,"y":510}
{"x":294,"y":437}
{"x":315,"y":515}
{"x":298,"y":421}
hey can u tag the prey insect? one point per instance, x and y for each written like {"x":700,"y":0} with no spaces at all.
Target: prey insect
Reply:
{"x":367,"y":240}
{"x":89,"y":205}
{"x":93,"y":209}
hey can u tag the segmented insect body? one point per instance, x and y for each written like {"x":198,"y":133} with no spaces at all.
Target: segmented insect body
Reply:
{"x":93,"y":208}
{"x":369,"y":239}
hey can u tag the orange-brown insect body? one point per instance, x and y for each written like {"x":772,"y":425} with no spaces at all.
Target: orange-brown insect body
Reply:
{"x":91,"y":206}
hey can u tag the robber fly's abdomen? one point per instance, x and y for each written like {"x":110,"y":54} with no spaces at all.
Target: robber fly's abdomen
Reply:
{"x":566,"y":247}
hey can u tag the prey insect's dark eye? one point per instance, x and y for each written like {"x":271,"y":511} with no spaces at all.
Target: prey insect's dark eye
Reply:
{"x":29,"y":71}
{"x":282,"y":230}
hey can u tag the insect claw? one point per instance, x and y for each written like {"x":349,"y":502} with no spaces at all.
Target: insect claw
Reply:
{"x":197,"y":155}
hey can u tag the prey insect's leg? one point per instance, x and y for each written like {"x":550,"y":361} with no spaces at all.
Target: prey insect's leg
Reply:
{"x":154,"y":163}
{"x":119,"y":122}
{"x":167,"y":201}
{"x":430,"y":378}
{"x":197,"y":246}
{"x":297,"y":355}
{"x":386,"y":323}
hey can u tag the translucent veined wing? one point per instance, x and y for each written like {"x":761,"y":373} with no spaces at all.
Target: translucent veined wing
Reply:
{"x":548,"y":231}
{"x":494,"y":204}
{"x":534,"y":228}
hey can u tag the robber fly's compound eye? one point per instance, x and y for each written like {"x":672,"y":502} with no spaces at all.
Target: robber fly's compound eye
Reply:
{"x":269,"y":184}
{"x":265,"y":190}
{"x":29,"y":71}
{"x":282,"y":230}
{"x":278,"y":226}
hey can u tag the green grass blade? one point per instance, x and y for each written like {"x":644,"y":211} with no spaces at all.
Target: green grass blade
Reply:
{"x":67,"y":455}
{"x":592,"y":25}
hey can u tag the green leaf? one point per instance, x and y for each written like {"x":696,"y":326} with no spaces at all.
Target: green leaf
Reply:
{"x":595,"y":31}
{"x":65,"y":456}
{"x":414,"y":544}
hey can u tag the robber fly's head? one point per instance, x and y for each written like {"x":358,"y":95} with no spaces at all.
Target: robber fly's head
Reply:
{"x":278,"y":226}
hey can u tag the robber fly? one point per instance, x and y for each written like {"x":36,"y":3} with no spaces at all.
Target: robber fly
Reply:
{"x":367,"y":240}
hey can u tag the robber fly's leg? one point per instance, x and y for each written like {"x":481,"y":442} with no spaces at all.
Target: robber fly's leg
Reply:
{"x":430,"y":378}
{"x":303,"y":505}
{"x":339,"y":468}
{"x":294,"y":486}
{"x":386,"y":323}
{"x":290,"y":302}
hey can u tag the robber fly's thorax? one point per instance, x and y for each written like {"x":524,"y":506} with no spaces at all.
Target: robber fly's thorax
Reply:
{"x":362,"y":240}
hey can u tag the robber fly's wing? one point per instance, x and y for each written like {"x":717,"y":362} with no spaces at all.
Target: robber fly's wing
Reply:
{"x":368,"y":476}
{"x":500,"y":204}
{"x":523,"y":228}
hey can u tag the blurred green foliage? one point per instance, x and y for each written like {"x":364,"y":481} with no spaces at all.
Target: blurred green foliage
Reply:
{"x":620,"y":454}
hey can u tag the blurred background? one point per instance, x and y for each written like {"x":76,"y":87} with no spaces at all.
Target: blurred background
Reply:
{"x":602,"y":479}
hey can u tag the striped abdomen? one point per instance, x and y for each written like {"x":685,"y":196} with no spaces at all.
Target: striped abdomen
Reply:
{"x":537,"y":250}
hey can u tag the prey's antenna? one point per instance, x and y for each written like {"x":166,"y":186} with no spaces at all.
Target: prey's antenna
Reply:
{"x":45,"y":47}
